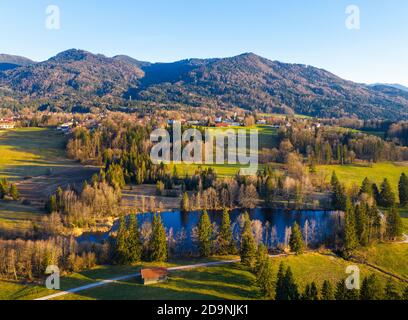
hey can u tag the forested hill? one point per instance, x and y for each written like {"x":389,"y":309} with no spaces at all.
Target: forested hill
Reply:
{"x":77,"y":77}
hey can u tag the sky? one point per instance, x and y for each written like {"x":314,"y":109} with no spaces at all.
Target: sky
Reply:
{"x":312,"y":32}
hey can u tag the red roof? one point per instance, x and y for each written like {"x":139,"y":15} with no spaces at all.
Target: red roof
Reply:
{"x":154,"y":273}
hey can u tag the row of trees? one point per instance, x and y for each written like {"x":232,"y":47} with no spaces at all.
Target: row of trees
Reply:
{"x":27,"y":259}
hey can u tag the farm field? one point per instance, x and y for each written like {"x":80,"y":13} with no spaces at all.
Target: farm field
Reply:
{"x":390,"y":257}
{"x":267,"y":139}
{"x":15,"y":216}
{"x":27,"y":152}
{"x":217,"y":282}
{"x":356,"y":173}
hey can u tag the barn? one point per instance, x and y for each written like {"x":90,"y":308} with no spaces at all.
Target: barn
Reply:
{"x":154,"y":275}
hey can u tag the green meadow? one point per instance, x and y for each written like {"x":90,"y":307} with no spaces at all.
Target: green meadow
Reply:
{"x":232,"y":281}
{"x":30,"y":151}
{"x":355,"y":173}
{"x":267,"y":138}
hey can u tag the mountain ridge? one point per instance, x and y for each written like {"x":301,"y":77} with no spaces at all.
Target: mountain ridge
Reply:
{"x":247,"y":81}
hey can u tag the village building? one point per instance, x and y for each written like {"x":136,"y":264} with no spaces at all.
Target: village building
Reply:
{"x":7,"y":123}
{"x":154,"y":275}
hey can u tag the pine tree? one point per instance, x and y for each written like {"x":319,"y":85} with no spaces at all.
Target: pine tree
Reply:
{"x":371,"y":289}
{"x":405,"y":295}
{"x":387,"y":196}
{"x":14,"y":192}
{"x":291,"y":286}
{"x":341,"y":291}
{"x":338,"y":194}
{"x":248,"y":245}
{"x":134,"y":242}
{"x":296,"y":241}
{"x":366,"y":187}
{"x":121,"y":248}
{"x":269,"y":190}
{"x":204,"y":235}
{"x":185,"y":203}
{"x":403,"y":190}
{"x":311,"y":292}
{"x":51,"y":204}
{"x":350,"y":236}
{"x":261,"y":257}
{"x":362,"y":224}
{"x":394,"y":224}
{"x":376,"y":193}
{"x":327,"y":291}
{"x":264,"y":271}
{"x":225,"y":239}
{"x":158,"y":241}
{"x":280,"y":289}
{"x":4,"y":188}
{"x":391,"y":292}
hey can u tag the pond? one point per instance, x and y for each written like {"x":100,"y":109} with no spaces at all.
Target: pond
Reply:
{"x":272,"y":224}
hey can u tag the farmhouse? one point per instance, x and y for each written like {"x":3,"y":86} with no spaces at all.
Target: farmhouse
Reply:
{"x":154,"y":275}
{"x":7,"y":123}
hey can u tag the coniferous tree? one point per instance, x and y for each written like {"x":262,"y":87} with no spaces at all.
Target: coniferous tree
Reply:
{"x":134,"y":242}
{"x":291,"y":286}
{"x":403,"y":190}
{"x":311,"y":292}
{"x":327,"y":291}
{"x":264,"y":276}
{"x":204,"y":235}
{"x":350,"y":236}
{"x":248,"y":245}
{"x":280,"y":289}
{"x":158,"y":241}
{"x":394,"y":224}
{"x":4,"y":188}
{"x":390,"y":292}
{"x":371,"y":289}
{"x":387,"y":196}
{"x":376,"y":193}
{"x":185,"y":203}
{"x":341,"y":291}
{"x":226,"y":243}
{"x":366,"y":187}
{"x":405,"y":295}
{"x":14,"y":192}
{"x":362,"y":224}
{"x":338,"y":198}
{"x":296,"y":241}
{"x":121,"y":248}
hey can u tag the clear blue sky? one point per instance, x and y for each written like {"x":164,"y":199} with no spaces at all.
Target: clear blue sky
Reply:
{"x":302,"y":31}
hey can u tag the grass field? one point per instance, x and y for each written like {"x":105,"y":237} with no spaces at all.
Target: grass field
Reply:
{"x":15,"y":216}
{"x":218,"y":282}
{"x":30,"y":152}
{"x":229,"y":281}
{"x":391,"y":257}
{"x":267,"y":138}
{"x":356,"y":173}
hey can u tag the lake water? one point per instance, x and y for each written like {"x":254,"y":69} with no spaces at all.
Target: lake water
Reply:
{"x":322,"y":224}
